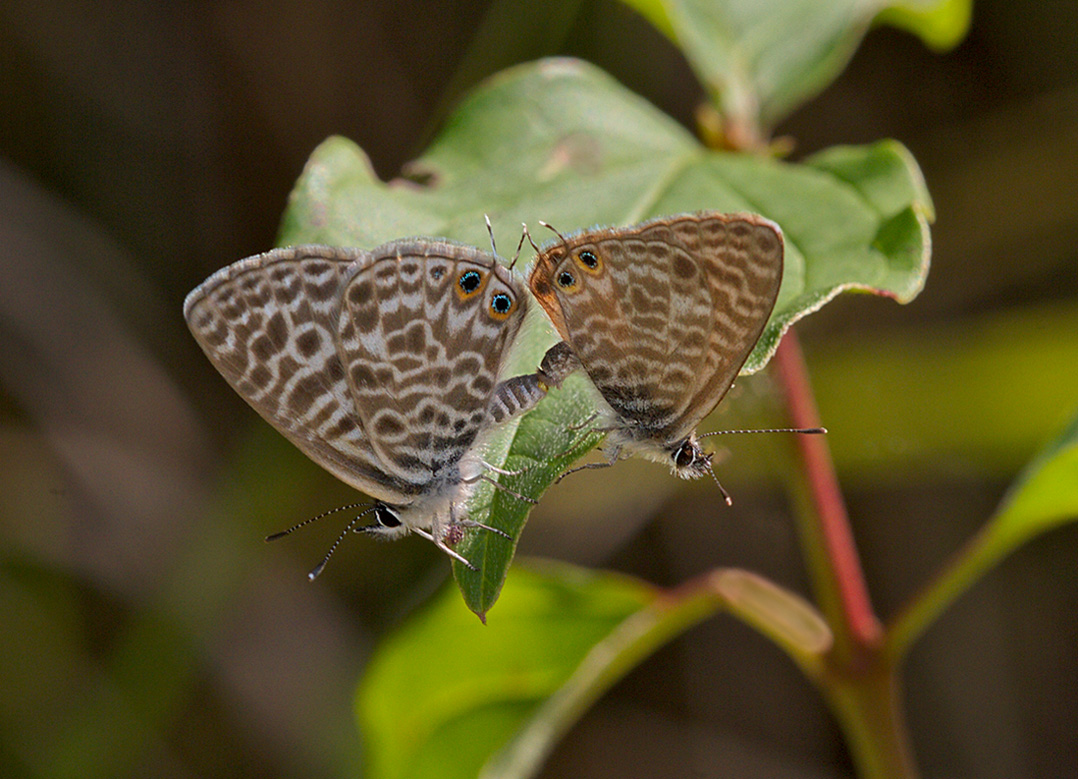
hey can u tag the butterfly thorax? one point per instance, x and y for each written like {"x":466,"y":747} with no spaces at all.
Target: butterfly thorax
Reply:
{"x":436,"y":512}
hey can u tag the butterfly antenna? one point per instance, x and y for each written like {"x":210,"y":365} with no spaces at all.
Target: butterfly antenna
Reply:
{"x":347,"y":529}
{"x":802,"y":430}
{"x":490,"y":232}
{"x":529,"y":237}
{"x":549,"y":227}
{"x":304,"y":523}
{"x":725,"y":494}
{"x":520,"y":246}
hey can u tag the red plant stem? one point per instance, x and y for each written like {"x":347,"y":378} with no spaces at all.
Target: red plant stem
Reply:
{"x":862,"y":628}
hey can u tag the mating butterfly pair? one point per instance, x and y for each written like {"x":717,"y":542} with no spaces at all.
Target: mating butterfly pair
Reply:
{"x":385,"y":366}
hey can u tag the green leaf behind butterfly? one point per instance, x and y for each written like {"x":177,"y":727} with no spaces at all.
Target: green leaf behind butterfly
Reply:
{"x":561,"y":141}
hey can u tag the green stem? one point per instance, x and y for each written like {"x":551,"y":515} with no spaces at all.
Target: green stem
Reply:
{"x":869,"y":709}
{"x":859,"y":679}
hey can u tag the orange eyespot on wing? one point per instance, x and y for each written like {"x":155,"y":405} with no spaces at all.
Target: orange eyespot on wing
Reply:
{"x":589,"y":261}
{"x":469,"y":284}
{"x":568,"y":280}
{"x":501,"y":306}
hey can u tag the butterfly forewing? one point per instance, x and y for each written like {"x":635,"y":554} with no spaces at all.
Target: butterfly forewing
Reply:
{"x":269,"y":325}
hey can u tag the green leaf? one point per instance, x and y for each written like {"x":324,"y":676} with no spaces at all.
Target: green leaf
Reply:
{"x":561,"y":141}
{"x":1044,"y":497}
{"x":544,"y":446}
{"x":941,"y":24}
{"x":762,"y":60}
{"x":442,"y":693}
{"x":445,"y":696}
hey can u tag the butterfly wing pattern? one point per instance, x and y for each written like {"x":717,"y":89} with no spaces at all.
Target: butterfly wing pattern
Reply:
{"x":385,"y":366}
{"x":269,"y":326}
{"x":382,"y":366}
{"x":662,"y":316}
{"x":423,"y":336}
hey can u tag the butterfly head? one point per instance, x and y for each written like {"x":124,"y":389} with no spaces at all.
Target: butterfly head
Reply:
{"x":387,"y":525}
{"x":688,"y":460}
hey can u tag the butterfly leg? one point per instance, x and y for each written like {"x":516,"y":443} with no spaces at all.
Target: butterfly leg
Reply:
{"x":575,"y":444}
{"x":581,"y":425}
{"x":455,"y":525}
{"x":481,"y":526}
{"x":503,"y":488}
{"x":441,"y":544}
{"x":612,"y":457}
{"x":584,"y":467}
{"x":503,"y":471}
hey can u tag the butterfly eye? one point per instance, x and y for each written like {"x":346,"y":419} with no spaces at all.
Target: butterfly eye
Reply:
{"x":386,"y":517}
{"x":589,"y":260}
{"x":567,"y":281}
{"x":469,"y":283}
{"x":501,"y":305}
{"x":684,"y":456}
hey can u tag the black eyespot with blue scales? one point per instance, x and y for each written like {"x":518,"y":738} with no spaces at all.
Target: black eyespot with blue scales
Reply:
{"x":469,"y":281}
{"x":589,"y":259}
{"x":566,"y":279}
{"x":500,"y":303}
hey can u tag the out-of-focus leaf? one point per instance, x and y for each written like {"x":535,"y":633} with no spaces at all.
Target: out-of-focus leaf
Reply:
{"x":760,"y":60}
{"x":445,"y":696}
{"x":1045,"y":496}
{"x":941,"y":418}
{"x":444,"y":692}
{"x":941,"y":24}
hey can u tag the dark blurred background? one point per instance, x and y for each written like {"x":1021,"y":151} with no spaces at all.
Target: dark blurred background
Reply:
{"x":147,"y":631}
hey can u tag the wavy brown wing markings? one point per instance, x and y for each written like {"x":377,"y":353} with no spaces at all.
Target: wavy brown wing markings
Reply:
{"x":267,"y":324}
{"x":665,"y":327}
{"x":624,"y":320}
{"x":679,"y":320}
{"x":742,"y":257}
{"x":415,"y":354}
{"x":638,"y":346}
{"x":594,"y":320}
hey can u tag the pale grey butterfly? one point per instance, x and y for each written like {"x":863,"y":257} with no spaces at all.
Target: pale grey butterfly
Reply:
{"x":382,"y":366}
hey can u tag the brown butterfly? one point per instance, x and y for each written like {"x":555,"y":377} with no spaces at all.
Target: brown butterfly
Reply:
{"x":661,"y":316}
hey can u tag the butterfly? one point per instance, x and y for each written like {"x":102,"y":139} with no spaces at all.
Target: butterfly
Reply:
{"x":661,"y":316}
{"x":382,"y":366}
